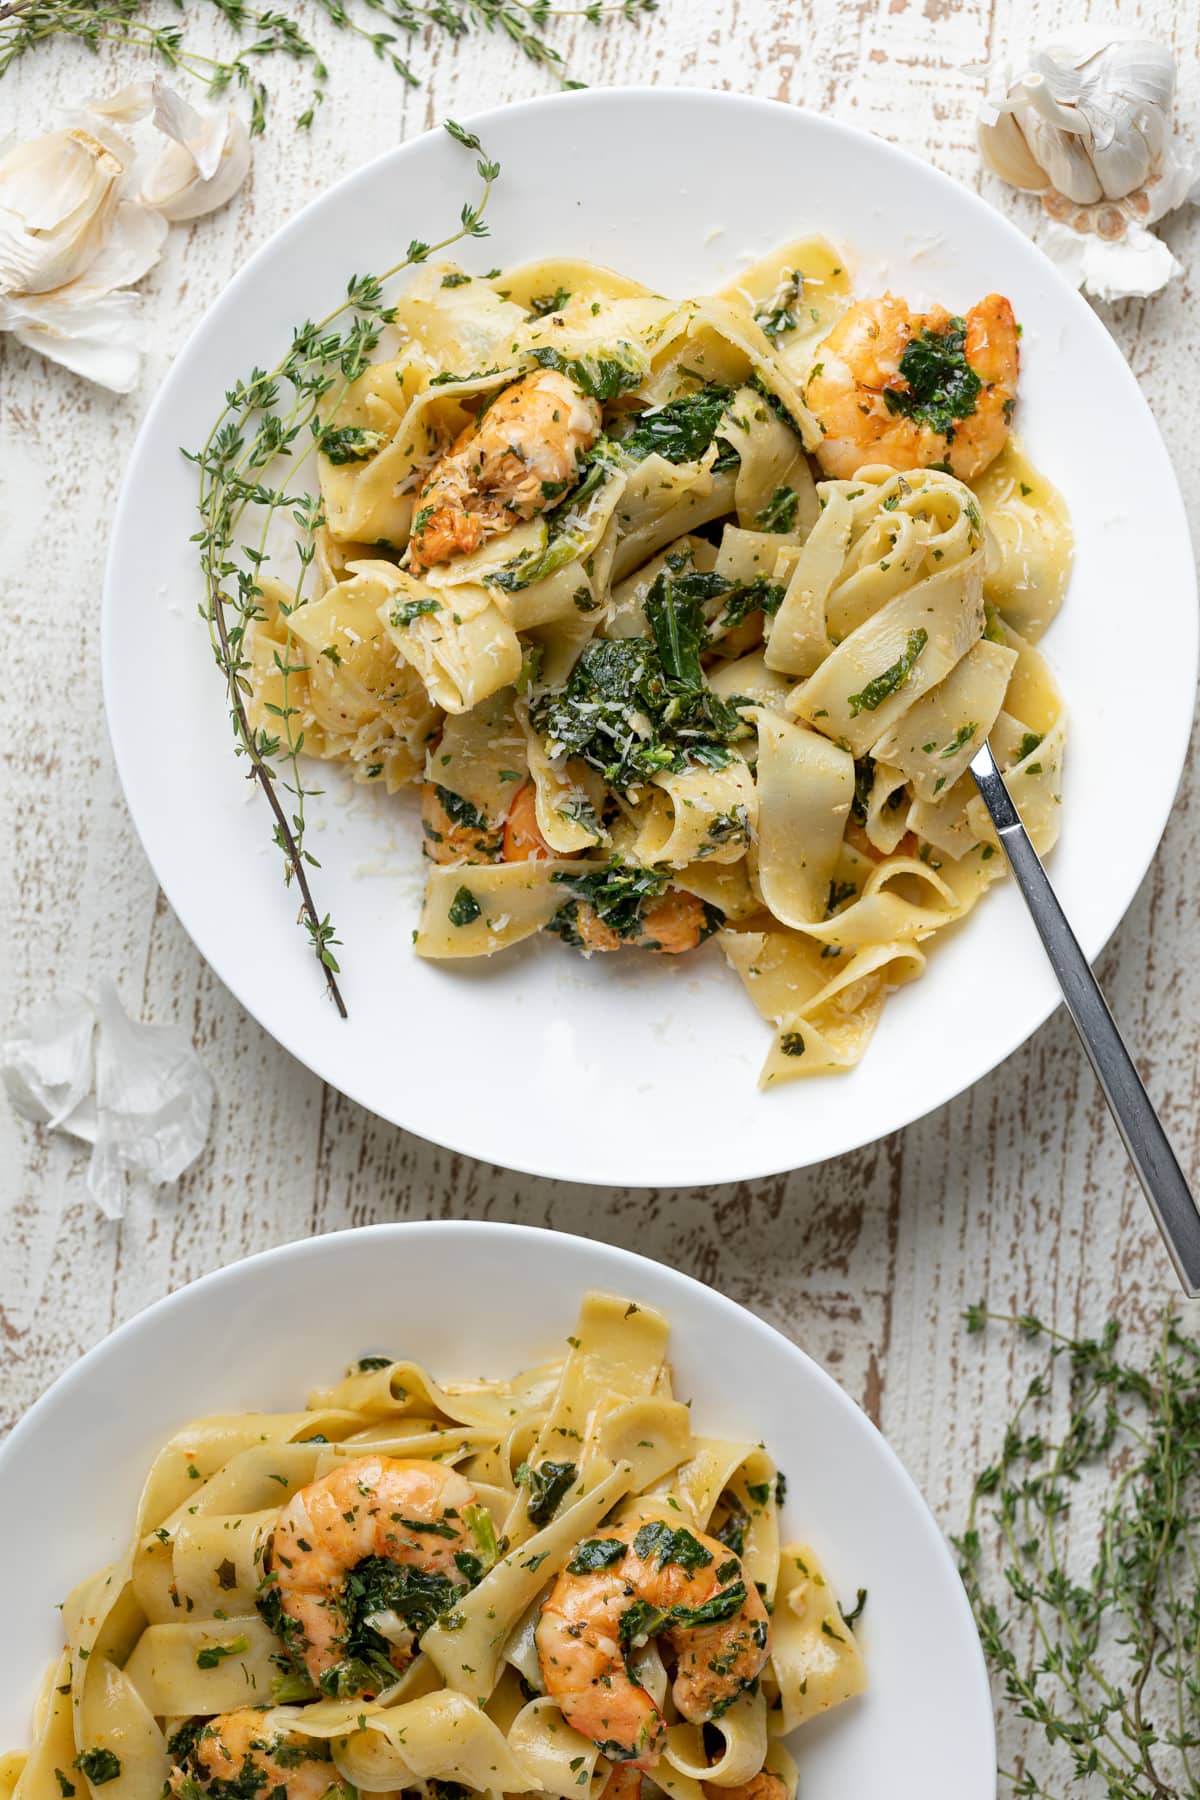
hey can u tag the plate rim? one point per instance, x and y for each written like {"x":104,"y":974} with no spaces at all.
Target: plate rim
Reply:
{"x":679,"y":1174}
{"x":78,"y":1374}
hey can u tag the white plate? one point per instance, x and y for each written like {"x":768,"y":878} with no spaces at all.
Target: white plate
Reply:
{"x":261,"y":1333}
{"x":637,"y":1070}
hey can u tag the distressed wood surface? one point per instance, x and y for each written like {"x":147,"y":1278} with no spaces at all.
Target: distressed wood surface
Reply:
{"x":1019,"y":1190}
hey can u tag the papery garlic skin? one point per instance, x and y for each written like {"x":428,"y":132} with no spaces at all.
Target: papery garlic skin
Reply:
{"x":138,"y":1094}
{"x":205,"y":163}
{"x":58,"y":199}
{"x":1086,"y":123}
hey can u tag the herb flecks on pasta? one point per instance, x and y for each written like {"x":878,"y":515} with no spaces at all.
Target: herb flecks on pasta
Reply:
{"x":686,"y":619}
{"x":409,"y":1583}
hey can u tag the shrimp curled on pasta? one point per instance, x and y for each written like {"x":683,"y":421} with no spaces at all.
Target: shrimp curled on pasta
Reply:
{"x":637,"y":1582}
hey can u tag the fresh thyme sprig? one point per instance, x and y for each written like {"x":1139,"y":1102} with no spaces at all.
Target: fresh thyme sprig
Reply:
{"x":277,"y":414}
{"x":1098,"y":1650}
{"x":387,"y":26}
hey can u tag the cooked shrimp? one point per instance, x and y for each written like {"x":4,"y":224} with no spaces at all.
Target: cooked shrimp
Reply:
{"x":635,"y":1582}
{"x":763,"y":1786}
{"x":523,"y":840}
{"x":673,"y":924}
{"x":518,"y":458}
{"x":235,"y":1747}
{"x":410,"y":1513}
{"x":856,"y":837}
{"x":625,"y":1783}
{"x":910,"y":389}
{"x":455,"y":830}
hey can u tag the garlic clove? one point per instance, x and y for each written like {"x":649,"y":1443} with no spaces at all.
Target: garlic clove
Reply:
{"x":127,"y":105}
{"x":95,"y":336}
{"x":205,"y":163}
{"x":1005,"y":150}
{"x":58,"y":195}
{"x":133,"y":247}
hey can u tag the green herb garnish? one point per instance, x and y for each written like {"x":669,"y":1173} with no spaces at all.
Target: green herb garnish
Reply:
{"x":1097,"y":1652}
{"x":893,"y":678}
{"x":213,"y":1655}
{"x":545,"y":1486}
{"x":779,"y":514}
{"x":597,"y":1553}
{"x":349,"y":443}
{"x":942,"y":385}
{"x":464,"y":909}
{"x":98,"y":1765}
{"x":682,"y":430}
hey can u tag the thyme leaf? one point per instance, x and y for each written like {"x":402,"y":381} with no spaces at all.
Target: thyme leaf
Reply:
{"x":273,"y":416}
{"x":1080,"y":1560}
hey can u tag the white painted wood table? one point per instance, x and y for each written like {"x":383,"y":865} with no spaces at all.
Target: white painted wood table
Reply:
{"x":1019,"y":1190}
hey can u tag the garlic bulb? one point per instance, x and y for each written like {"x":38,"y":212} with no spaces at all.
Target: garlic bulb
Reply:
{"x":1086,"y":123}
{"x":83,"y":217}
{"x":205,"y":163}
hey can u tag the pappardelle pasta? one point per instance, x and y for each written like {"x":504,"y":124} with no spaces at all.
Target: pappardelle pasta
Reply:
{"x":548,"y":1584}
{"x":688,"y":619}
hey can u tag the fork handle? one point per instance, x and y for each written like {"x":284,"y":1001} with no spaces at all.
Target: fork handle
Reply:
{"x":1141,"y":1128}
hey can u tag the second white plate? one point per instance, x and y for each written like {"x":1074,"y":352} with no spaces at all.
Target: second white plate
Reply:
{"x":467,"y":1299}
{"x":637,"y":1070}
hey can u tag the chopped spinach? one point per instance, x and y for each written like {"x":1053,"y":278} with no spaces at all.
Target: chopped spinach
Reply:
{"x":349,"y":443}
{"x":671,"y":1544}
{"x":759,"y":595}
{"x":893,"y":678}
{"x":634,"y":706}
{"x":545,"y":1486}
{"x":682,"y":430}
{"x":464,"y":909}
{"x":776,"y":315}
{"x":596,"y":1553}
{"x":942,"y":385}
{"x":642,"y":1620}
{"x":211,"y":1656}
{"x":98,"y":1765}
{"x":725,"y":1604}
{"x":774,"y":402}
{"x":617,"y":893}
{"x":407,"y":610}
{"x":779,"y":514}
{"x":732,"y":1530}
{"x":602,"y":376}
{"x":542,"y":304}
{"x":378,"y":1585}
{"x":459,"y":811}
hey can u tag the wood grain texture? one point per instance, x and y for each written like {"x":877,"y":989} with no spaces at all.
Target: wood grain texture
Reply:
{"x":1019,"y":1190}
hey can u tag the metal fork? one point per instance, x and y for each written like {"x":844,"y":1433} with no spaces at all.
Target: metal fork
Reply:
{"x":1141,"y":1128}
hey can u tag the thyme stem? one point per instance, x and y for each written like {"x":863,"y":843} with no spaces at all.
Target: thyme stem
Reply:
{"x":253,"y":430}
{"x":1111,"y":1678}
{"x":390,"y":25}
